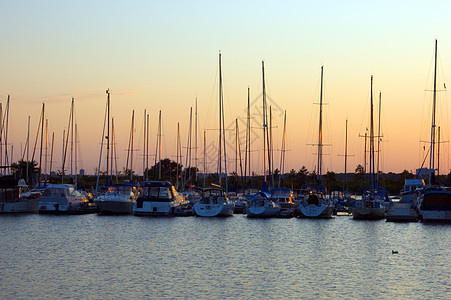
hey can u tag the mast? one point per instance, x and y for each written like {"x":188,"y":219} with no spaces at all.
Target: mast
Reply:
{"x":264,"y":122}
{"x":378,"y":139}
{"x":372,"y":185}
{"x":108,"y":139}
{"x":46,"y":146}
{"x":320,"y":134}
{"x":178,"y":145}
{"x":434,"y":100}
{"x":6,"y":134}
{"x":270,"y":149}
{"x":28,"y":147}
{"x":147,"y":148}
{"x":246,"y":158}
{"x":72,"y":138}
{"x":282,"y":152}
{"x":195,"y":144}
{"x":144,"y":145}
{"x":438,"y":152}
{"x":188,"y":150}
{"x":76,"y":155}
{"x":220,"y":123}
{"x":62,"y":158}
{"x":51,"y":153}
{"x":159,"y":146}
{"x":133,"y":138}
{"x":42,"y":136}
{"x":101,"y":147}
{"x":346,"y":155}
{"x":205,"y":158}
{"x":113,"y":151}
{"x":236,"y":151}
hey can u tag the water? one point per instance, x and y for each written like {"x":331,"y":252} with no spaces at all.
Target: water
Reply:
{"x":104,"y":257}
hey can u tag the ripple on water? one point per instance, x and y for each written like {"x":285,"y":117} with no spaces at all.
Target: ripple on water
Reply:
{"x":97,"y":257}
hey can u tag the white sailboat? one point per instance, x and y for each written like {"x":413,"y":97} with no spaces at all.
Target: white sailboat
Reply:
{"x":371,"y":206}
{"x":261,"y":205}
{"x":315,"y":203}
{"x":434,"y":202}
{"x":214,"y":202}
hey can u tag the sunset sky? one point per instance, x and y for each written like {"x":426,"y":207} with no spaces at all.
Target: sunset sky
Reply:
{"x":161,"y":55}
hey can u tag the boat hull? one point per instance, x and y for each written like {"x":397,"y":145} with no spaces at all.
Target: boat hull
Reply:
{"x":401,"y":212}
{"x":19,"y":206}
{"x":368,"y":213}
{"x":214,"y":210}
{"x":114,"y":207}
{"x":262,"y":211}
{"x":315,"y":211}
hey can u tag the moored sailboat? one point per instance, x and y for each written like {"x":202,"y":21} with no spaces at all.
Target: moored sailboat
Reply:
{"x":315,"y":203}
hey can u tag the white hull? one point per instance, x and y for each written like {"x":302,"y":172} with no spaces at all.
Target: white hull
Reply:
{"x":262,"y":211}
{"x":20,"y":206}
{"x":436,"y":215}
{"x":214,"y":210}
{"x":401,"y":212}
{"x":157,"y":208}
{"x":368,"y":213}
{"x":315,"y":211}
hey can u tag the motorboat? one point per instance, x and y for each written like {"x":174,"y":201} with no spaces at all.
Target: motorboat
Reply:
{"x":64,"y":199}
{"x":160,"y":198}
{"x":213,"y":203}
{"x":434,"y":204}
{"x":119,"y":199}
{"x":404,"y":209}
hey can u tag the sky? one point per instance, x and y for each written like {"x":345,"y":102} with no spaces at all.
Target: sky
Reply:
{"x":162,"y":55}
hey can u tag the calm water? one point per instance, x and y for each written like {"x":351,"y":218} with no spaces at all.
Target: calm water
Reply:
{"x":104,"y":257}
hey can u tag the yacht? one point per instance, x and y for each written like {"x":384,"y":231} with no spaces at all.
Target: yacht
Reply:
{"x":119,"y":199}
{"x":404,"y":209}
{"x":64,"y":199}
{"x":160,"y":198}
{"x":434,"y":204}
{"x":213,"y":203}
{"x":368,"y":208}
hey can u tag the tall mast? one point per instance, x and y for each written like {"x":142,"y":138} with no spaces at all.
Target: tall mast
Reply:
{"x":42,"y":136}
{"x":270,"y":150}
{"x":220,"y":123}
{"x":46,"y":146}
{"x":51,"y":152}
{"x":178,"y":145}
{"x":108,"y":139}
{"x":159,"y":146}
{"x":147,"y":147}
{"x":133,"y":138}
{"x":320,"y":134}
{"x":434,"y":100}
{"x":195,"y":144}
{"x":205,"y":158}
{"x":72,"y":138}
{"x":188,"y":149}
{"x":28,"y":148}
{"x":62,"y":159}
{"x":264,"y":122}
{"x":346,"y":155}
{"x":246,"y":158}
{"x":438,"y":152}
{"x":7,"y":163}
{"x":144,"y":145}
{"x":378,"y":139}
{"x":76,"y":154}
{"x":113,"y":151}
{"x":282,"y":152}
{"x":372,"y":186}
{"x":236,"y":151}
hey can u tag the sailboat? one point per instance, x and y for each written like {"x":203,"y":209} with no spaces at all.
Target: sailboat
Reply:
{"x":434,"y":202}
{"x":315,"y":204}
{"x":214,"y":201}
{"x":371,"y":206}
{"x":261,"y":205}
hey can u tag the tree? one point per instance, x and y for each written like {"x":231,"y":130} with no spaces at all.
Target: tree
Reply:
{"x":19,"y":169}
